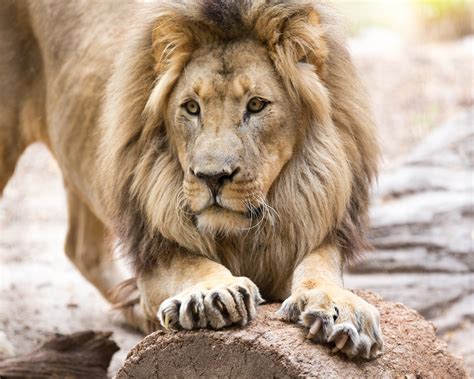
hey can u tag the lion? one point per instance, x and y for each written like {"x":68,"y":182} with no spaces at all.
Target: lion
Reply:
{"x":225,"y":147}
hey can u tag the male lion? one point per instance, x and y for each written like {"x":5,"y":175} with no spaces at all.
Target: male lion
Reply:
{"x":226,"y":144}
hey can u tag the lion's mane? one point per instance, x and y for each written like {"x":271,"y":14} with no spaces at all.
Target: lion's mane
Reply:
{"x":322,"y":193}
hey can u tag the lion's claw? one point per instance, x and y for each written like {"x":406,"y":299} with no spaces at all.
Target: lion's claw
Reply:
{"x":340,"y":342}
{"x":215,"y":308}
{"x":352,"y":325}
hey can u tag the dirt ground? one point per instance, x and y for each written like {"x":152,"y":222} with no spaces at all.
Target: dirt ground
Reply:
{"x":413,"y":89}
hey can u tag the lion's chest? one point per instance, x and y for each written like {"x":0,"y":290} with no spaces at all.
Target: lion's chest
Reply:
{"x":270,"y":269}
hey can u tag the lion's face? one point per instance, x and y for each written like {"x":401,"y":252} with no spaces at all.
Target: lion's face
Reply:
{"x":234,"y":128}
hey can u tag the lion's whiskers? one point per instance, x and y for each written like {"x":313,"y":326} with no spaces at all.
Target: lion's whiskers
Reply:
{"x":270,"y":213}
{"x":257,"y":201}
{"x":182,"y":209}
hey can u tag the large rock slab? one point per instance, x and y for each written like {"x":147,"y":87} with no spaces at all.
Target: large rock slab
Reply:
{"x":422,"y":215}
{"x":269,"y":347}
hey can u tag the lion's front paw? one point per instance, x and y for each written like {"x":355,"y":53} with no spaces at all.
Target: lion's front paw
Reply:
{"x":213,"y":305}
{"x":335,"y":315}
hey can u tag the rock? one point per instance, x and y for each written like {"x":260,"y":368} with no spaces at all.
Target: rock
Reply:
{"x":269,"y":347}
{"x":431,"y":294}
{"x":422,"y":212}
{"x":6,"y":348}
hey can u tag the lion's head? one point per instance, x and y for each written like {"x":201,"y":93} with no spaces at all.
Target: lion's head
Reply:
{"x":231,"y":117}
{"x":233,"y":127}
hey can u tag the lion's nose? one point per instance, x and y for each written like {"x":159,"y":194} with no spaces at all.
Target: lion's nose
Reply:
{"x":215,"y":180}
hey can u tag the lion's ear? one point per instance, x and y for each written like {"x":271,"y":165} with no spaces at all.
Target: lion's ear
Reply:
{"x":311,"y":47}
{"x":293,"y":35}
{"x":172,"y":41}
{"x":174,"y":38}
{"x":295,"y":40}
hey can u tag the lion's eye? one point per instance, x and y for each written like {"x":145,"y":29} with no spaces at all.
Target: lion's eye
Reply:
{"x":255,"y":105}
{"x":192,"y":107}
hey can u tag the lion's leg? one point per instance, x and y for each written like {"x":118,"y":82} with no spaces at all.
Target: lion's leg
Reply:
{"x":194,"y":292}
{"x":11,"y":146}
{"x":332,"y":313}
{"x":90,"y":249}
{"x":14,"y":85}
{"x":13,"y":127}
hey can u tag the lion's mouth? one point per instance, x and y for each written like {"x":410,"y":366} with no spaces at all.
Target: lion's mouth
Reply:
{"x":222,"y":217}
{"x":216,"y":218}
{"x":251,"y":212}
{"x":218,"y":213}
{"x":218,"y":208}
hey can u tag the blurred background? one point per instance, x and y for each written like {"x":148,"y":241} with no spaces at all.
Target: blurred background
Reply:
{"x":416,"y":59}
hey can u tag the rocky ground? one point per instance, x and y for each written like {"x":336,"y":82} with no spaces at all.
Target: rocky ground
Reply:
{"x":413,"y":90}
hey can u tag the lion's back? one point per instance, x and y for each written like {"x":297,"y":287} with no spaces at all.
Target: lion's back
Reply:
{"x":55,"y":63}
{"x":71,"y":29}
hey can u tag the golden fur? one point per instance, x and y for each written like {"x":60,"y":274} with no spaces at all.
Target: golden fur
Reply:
{"x":106,"y":96}
{"x":321,"y":194}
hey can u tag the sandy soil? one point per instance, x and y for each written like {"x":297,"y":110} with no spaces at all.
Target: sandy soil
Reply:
{"x":412,"y":90}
